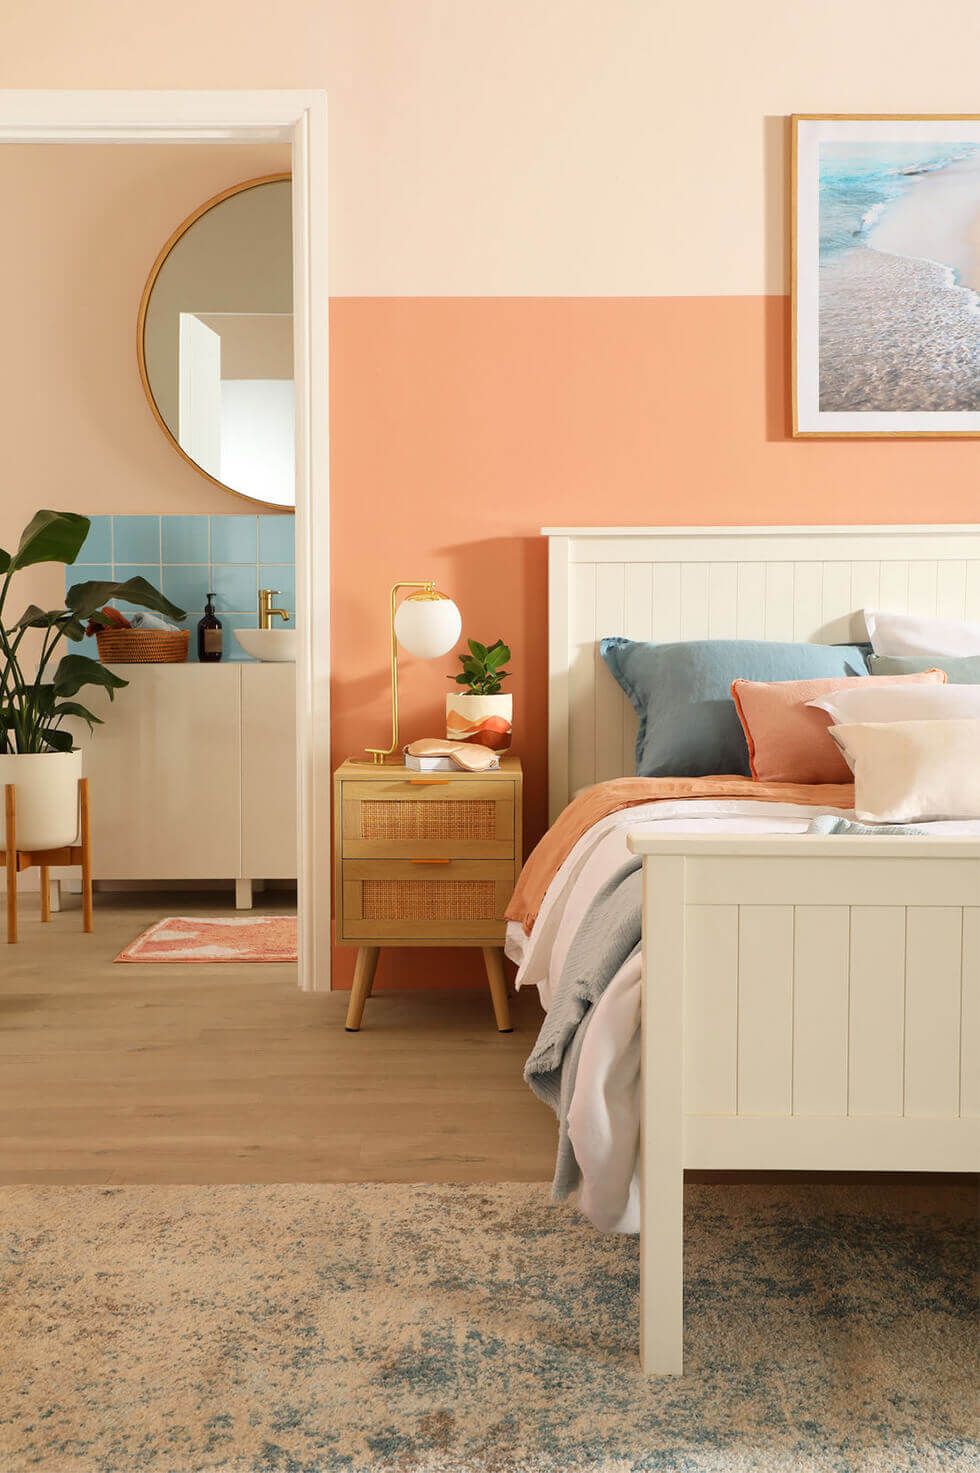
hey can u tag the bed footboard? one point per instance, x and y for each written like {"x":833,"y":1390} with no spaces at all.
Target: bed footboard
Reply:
{"x":809,"y":1003}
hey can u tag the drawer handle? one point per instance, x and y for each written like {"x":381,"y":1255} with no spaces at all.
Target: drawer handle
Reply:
{"x":428,"y":782}
{"x":429,"y":861}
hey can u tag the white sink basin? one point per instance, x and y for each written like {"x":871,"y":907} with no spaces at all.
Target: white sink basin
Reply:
{"x":269,"y":644}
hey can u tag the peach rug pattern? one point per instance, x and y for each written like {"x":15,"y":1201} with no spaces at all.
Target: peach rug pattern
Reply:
{"x":199,"y":939}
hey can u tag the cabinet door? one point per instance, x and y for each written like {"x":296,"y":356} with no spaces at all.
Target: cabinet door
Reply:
{"x":165,"y":774}
{"x":269,"y":827}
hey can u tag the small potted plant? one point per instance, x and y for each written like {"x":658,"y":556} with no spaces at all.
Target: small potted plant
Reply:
{"x":37,"y":754}
{"x":481,"y":713}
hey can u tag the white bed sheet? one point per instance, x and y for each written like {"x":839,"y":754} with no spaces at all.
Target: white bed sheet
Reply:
{"x":604,"y":1114}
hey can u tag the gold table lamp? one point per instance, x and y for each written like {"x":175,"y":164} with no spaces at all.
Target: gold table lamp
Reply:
{"x":428,"y":624}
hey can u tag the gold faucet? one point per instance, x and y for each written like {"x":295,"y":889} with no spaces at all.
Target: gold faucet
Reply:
{"x":266,"y":611}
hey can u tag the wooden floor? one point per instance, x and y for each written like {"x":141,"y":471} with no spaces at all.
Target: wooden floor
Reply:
{"x":112,"y":1074}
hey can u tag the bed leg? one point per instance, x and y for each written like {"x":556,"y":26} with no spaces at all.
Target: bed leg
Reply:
{"x":662,"y":1158}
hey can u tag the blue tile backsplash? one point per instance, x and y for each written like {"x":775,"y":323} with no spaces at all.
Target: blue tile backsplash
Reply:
{"x":276,"y":540}
{"x":135,"y":539}
{"x":189,"y":556}
{"x":234,"y":540}
{"x":186,"y":540}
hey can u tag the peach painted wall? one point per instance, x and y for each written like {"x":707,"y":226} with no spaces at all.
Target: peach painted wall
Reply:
{"x":462,"y":426}
{"x":558,"y":271}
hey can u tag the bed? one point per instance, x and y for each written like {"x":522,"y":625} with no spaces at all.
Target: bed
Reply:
{"x":808,"y":1002}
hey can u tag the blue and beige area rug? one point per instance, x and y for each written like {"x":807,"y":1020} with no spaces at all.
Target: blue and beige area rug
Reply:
{"x":477,"y":1329}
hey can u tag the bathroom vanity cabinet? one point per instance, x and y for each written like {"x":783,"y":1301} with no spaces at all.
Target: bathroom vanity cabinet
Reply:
{"x":193,"y":774}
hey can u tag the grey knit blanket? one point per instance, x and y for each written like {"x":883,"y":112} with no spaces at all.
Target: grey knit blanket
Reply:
{"x":608,"y":934}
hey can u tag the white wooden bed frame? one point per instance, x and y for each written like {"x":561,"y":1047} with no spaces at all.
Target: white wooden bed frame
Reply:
{"x":809,"y":1003}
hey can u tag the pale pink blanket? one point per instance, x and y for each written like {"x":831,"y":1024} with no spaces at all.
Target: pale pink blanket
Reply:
{"x":627,"y":792}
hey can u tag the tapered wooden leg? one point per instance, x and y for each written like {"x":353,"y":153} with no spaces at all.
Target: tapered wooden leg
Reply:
{"x":45,"y":893}
{"x":364,"y":970}
{"x":493,"y":960}
{"x":10,"y":849}
{"x":86,"y":855}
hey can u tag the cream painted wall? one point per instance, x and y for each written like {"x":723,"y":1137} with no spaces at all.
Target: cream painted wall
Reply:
{"x":538,"y":147}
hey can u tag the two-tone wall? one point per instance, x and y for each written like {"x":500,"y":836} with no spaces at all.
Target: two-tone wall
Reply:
{"x":559,"y":287}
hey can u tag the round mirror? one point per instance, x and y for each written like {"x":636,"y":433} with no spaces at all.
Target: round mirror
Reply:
{"x":215,"y":340}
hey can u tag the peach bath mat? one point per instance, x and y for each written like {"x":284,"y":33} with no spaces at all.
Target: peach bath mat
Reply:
{"x":200,"y":939}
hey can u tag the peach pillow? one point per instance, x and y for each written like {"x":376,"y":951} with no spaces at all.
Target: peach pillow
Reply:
{"x":787,"y":739}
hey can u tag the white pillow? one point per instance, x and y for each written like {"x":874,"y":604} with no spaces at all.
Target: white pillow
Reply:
{"x":914,"y":634}
{"x":873,"y":700}
{"x":913,"y":771}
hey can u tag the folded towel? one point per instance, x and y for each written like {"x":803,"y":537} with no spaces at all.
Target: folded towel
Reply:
{"x":143,"y":620}
{"x":827,"y":824}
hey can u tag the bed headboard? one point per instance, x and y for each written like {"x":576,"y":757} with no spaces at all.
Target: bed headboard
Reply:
{"x":669,"y":583}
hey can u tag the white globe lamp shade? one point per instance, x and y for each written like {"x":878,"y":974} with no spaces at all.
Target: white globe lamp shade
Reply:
{"x":427,"y":625}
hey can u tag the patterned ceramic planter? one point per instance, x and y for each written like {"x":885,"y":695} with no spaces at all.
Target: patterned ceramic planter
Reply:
{"x":482,"y":719}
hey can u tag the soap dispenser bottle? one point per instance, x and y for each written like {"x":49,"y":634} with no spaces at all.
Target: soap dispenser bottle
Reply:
{"x":209,"y":639}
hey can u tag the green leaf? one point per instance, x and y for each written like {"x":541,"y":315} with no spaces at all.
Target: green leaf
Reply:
{"x":42,"y":698}
{"x":477,"y":650}
{"x":58,"y":741}
{"x":72,"y":708}
{"x":51,"y":537}
{"x":75,"y":671}
{"x":85,"y":598}
{"x":498,"y":654}
{"x":5,"y":561}
{"x":35,"y":618}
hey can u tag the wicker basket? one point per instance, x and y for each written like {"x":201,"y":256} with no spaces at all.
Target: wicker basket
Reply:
{"x":142,"y":646}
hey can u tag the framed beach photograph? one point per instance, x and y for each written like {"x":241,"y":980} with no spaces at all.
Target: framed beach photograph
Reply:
{"x":886,"y":275}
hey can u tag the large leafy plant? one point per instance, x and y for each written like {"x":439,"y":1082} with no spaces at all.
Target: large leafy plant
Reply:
{"x":482,"y":671}
{"x":35,"y":700}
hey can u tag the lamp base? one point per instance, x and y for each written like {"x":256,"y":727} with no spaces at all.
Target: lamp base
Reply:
{"x":378,"y":757}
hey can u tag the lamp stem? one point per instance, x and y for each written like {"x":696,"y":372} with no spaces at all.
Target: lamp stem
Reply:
{"x":378,"y":754}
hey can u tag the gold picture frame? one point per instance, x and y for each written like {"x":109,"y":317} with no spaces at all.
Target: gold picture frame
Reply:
{"x":807,"y":416}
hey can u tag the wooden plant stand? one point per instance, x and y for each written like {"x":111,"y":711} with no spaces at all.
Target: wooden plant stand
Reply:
{"x":15,"y":860}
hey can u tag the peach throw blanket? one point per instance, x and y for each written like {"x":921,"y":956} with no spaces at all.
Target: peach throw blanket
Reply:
{"x":627,"y":792}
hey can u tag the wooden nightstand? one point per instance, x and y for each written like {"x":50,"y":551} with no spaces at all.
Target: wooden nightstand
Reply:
{"x":425,"y":859}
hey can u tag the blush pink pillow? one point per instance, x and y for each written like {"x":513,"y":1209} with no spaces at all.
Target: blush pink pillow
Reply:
{"x":787,"y":739}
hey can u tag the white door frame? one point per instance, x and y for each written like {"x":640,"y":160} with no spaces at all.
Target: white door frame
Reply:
{"x":300,"y":119}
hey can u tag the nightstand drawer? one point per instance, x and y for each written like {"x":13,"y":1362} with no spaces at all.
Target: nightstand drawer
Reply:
{"x":428,"y":816}
{"x":392,"y":900}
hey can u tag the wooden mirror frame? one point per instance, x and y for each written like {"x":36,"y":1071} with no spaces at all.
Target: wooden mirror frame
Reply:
{"x":156,"y":268}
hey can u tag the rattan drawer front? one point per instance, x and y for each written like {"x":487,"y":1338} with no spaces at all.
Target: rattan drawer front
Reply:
{"x":390,"y":900}
{"x":427,"y":818}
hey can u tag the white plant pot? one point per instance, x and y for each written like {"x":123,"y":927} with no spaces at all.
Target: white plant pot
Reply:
{"x":46,"y":793}
{"x":486,"y":720}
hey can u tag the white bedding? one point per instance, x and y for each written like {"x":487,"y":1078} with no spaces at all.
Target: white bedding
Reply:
{"x":603,"y":1118}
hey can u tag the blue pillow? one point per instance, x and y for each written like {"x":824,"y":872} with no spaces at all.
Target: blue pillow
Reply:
{"x":960,"y":669}
{"x":682,"y":693}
